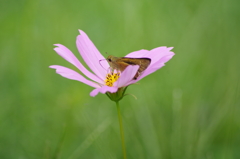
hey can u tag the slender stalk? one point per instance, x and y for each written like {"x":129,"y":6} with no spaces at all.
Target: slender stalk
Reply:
{"x":121,"y":131}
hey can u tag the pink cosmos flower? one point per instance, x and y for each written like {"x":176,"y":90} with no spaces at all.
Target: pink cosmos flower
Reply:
{"x":100,"y":76}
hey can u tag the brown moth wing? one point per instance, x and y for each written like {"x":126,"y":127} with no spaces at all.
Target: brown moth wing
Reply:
{"x":116,"y":63}
{"x":142,"y":62}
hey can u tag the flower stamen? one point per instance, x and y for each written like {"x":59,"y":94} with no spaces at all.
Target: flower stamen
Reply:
{"x":111,"y":78}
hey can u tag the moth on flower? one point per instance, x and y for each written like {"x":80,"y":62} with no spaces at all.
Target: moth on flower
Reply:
{"x":121,"y":63}
{"x":124,"y":71}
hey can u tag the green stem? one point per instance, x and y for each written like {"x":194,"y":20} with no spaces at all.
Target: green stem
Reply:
{"x":121,"y":131}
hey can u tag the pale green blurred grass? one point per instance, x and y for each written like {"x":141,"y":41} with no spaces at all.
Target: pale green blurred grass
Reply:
{"x":188,"y":109}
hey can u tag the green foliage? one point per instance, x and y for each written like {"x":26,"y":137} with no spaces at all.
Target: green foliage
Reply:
{"x":188,"y":109}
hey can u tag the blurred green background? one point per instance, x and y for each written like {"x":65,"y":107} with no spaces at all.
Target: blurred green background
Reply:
{"x":189,"y":109}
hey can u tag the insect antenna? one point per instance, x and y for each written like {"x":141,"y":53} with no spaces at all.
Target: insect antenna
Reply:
{"x":101,"y":64}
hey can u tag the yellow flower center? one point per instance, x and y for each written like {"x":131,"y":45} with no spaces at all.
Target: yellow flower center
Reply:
{"x":111,"y":78}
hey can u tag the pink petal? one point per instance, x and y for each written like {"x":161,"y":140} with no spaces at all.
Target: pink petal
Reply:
{"x":103,"y":90}
{"x":158,"y":56}
{"x":138,"y":54}
{"x":158,"y":53}
{"x":70,"y":57}
{"x":70,"y":74}
{"x":91,"y":55}
{"x":126,"y":76}
{"x":154,"y":54}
